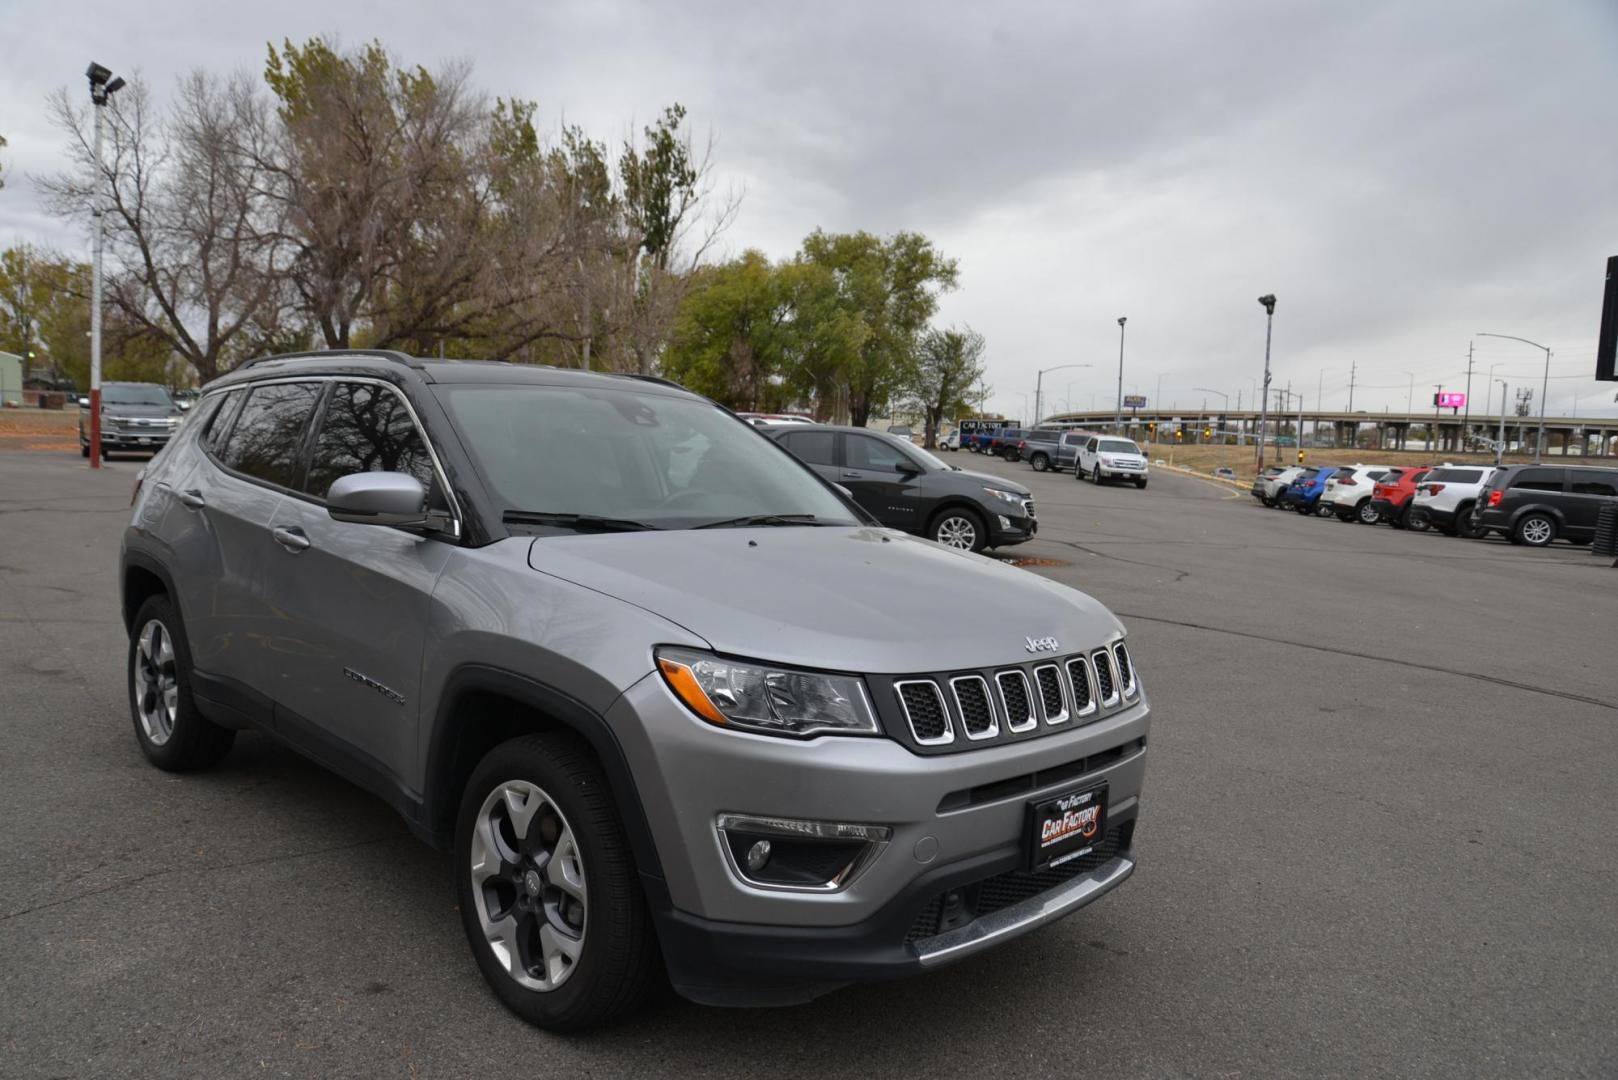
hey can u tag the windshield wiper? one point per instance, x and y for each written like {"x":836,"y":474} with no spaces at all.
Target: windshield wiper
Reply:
{"x":581,"y":522}
{"x":760,"y":519}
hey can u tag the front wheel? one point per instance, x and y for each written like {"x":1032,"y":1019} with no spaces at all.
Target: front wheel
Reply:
{"x":1141,"y":482}
{"x":549,"y":895}
{"x":1466,"y":523}
{"x":1040,"y":462}
{"x":959,"y":528}
{"x":1417,"y":520}
{"x":1366,"y":513}
{"x":1095,"y":477}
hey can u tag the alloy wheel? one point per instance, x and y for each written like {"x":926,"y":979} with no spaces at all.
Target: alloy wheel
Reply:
{"x":1368,"y":514}
{"x":957,"y":532}
{"x":1537,"y":531}
{"x":528,"y":885}
{"x":157,"y":682}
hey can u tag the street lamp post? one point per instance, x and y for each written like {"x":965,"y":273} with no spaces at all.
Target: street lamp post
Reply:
{"x":1039,"y":385}
{"x":1268,"y":300}
{"x":1118,"y":418}
{"x":103,"y":84}
{"x":1500,"y":446}
{"x":1544,"y":388}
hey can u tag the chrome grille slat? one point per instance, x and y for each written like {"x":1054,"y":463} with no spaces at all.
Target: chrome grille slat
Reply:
{"x":1106,"y":681}
{"x":1049,"y":678}
{"x":1019,"y":711}
{"x":932,"y":727}
{"x":1126,"y":670}
{"x":976,"y":707}
{"x":1084,"y":697}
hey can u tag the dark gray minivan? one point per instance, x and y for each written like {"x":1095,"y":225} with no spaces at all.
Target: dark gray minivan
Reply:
{"x":1536,"y":504}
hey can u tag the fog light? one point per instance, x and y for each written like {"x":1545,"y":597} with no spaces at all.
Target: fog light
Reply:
{"x":758,"y":855}
{"x":790,"y":853}
{"x":1005,"y":522}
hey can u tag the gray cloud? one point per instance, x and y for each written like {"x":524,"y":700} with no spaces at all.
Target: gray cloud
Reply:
{"x":1400,"y":174}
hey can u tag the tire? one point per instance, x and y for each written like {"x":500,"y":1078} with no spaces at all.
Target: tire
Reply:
{"x":960,"y":528}
{"x":1416,"y":520}
{"x":171,"y":731}
{"x":1096,"y":477}
{"x":1344,"y":515}
{"x":601,"y":959}
{"x":1534,"y":530}
{"x":1141,"y":483}
{"x":1466,"y":523}
{"x":84,"y":450}
{"x":1366,"y":513}
{"x":1012,"y":456}
{"x":1040,"y":462}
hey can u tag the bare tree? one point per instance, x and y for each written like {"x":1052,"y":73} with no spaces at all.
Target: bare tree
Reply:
{"x":190,"y":234}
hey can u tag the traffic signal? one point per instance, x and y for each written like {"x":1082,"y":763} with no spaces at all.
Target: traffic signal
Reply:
{"x":1207,"y":433}
{"x":1300,"y":455}
{"x":1178,"y":434}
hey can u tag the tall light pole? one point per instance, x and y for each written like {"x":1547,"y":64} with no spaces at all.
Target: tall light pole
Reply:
{"x":1268,"y":300}
{"x":1500,"y":447}
{"x":1039,"y":385}
{"x":1544,"y":388}
{"x":1118,"y":419}
{"x":103,"y":84}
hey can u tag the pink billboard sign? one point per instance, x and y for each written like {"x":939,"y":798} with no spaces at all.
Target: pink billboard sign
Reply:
{"x":1451,"y":401}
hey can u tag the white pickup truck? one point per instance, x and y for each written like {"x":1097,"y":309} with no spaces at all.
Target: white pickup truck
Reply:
{"x":1106,"y":457}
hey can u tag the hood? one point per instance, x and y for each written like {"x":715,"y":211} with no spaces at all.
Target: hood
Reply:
{"x":989,"y":480}
{"x":842,"y":599}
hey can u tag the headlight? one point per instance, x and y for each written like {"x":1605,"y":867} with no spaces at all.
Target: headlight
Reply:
{"x":770,"y":700}
{"x":1009,"y":496}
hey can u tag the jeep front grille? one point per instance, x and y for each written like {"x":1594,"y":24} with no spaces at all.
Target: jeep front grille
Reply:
{"x":1078,"y":673}
{"x":977,"y":712}
{"x":1126,"y":669}
{"x":923,"y":705}
{"x":1106,"y":688}
{"x":1050,"y":693}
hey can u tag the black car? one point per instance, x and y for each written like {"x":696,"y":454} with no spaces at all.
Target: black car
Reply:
{"x":1535,"y":504}
{"x":1038,"y":447}
{"x":134,"y":416}
{"x":905,"y":487}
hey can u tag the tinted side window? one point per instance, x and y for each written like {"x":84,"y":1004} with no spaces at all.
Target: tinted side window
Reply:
{"x":815,"y":447}
{"x":1594,"y":483}
{"x":266,"y":441}
{"x":1538,"y":480}
{"x":865,"y":452}
{"x":366,"y":429}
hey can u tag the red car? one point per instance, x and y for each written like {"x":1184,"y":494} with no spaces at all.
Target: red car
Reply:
{"x":1391,"y":496}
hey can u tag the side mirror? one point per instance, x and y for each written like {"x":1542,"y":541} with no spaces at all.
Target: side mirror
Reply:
{"x":184,"y":405}
{"x":378,"y":498}
{"x":84,"y":403}
{"x":905,"y":468}
{"x":847,"y":494}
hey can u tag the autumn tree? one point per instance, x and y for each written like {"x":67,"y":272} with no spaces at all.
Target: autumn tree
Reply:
{"x":948,"y":362}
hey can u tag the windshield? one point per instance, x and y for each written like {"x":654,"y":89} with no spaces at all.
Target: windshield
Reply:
{"x":1118,"y":446}
{"x":135,"y":394}
{"x":619,"y":453}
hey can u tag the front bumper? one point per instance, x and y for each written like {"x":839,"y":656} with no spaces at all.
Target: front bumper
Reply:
{"x":728,"y":941}
{"x":121,"y":440}
{"x":1007,"y":530}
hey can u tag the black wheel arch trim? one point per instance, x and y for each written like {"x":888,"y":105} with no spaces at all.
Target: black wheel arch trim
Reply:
{"x":140,"y":560}
{"x":441,"y":802}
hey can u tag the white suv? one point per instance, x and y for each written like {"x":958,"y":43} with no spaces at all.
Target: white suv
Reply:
{"x":1348,"y":492}
{"x":1108,"y":457}
{"x":1268,"y":488}
{"x":1447,"y":495}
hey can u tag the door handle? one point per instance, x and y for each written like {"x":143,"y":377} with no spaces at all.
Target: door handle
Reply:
{"x":851,"y":475}
{"x":292,"y":538}
{"x":193,"y":499}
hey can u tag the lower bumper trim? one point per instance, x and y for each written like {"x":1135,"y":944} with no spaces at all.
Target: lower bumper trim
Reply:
{"x":987,"y":931}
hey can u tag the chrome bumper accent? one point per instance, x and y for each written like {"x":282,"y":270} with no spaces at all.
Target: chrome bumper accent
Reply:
{"x":989,"y":930}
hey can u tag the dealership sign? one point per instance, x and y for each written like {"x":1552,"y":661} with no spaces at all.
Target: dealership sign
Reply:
{"x":1134,"y":401}
{"x":1449,"y":401}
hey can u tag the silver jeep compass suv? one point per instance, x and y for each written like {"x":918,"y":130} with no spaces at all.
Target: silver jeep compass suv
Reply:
{"x":670,"y":697}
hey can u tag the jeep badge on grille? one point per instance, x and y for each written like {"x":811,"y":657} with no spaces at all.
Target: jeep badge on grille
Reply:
{"x":1042,"y":644}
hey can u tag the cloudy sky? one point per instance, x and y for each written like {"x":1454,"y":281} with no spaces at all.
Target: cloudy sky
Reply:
{"x":1400,"y":174}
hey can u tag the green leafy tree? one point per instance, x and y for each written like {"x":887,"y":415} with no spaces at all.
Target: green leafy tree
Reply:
{"x":730,"y":337}
{"x":948,"y":362}
{"x":892,"y":286}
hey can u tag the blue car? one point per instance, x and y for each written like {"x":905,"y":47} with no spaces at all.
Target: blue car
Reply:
{"x":1303,"y":494}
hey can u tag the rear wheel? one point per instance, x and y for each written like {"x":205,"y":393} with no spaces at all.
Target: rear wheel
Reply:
{"x":1040,"y":462}
{"x":171,"y":732}
{"x":959,"y":528}
{"x":549,"y":896}
{"x":1535,"y":530}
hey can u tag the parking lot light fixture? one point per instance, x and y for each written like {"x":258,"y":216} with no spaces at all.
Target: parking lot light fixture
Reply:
{"x":1544,"y":388}
{"x":103,"y":84}
{"x":1039,"y":385}
{"x":1268,"y":300}
{"x":1118,"y":417}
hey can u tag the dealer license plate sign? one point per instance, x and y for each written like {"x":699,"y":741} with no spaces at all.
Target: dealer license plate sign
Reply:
{"x":1066,"y":827}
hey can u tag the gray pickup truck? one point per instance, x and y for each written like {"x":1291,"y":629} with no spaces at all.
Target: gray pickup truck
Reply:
{"x":670,"y":698}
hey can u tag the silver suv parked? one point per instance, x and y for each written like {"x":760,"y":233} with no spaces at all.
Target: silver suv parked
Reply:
{"x":669,"y":697}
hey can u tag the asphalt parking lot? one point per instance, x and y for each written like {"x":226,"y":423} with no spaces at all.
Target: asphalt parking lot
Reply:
{"x":1376,"y":839}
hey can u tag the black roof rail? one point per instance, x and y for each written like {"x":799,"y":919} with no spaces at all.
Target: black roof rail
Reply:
{"x":332,"y":354}
{"x":649,"y":378}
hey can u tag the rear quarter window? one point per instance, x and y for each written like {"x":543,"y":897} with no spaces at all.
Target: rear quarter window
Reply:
{"x":1538,"y":480}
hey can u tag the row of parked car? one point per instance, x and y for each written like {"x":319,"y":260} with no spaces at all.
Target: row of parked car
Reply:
{"x":1533,"y":505}
{"x":1091,"y":455}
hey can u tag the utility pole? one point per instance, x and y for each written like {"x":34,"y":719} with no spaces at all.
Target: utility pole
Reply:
{"x":1268,"y":300}
{"x":1432,"y":441}
{"x":1466,"y":424}
{"x":1353,"y":367}
{"x":1500,"y":447}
